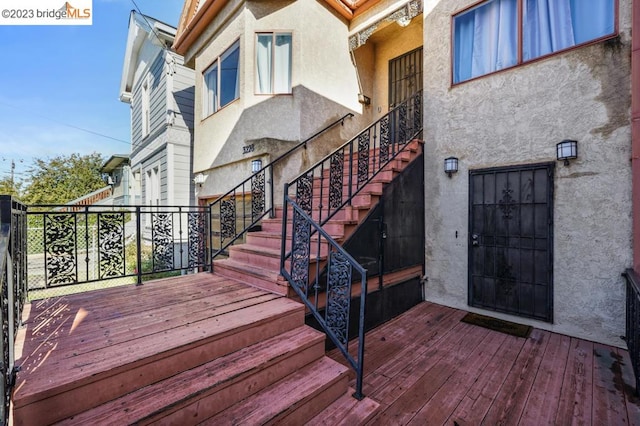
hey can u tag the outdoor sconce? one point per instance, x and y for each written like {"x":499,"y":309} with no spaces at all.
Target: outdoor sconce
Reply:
{"x":403,"y":21}
{"x":256,"y":165}
{"x":450,"y":165}
{"x":199,"y":179}
{"x":567,"y":150}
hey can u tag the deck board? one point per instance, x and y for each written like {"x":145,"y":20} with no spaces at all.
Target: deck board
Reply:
{"x":75,"y":338}
{"x":451,"y":373}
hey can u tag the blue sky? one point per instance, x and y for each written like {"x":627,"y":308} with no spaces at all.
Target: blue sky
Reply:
{"x":54,"y":76}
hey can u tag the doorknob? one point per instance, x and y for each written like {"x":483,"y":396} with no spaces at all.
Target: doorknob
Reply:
{"x":475,"y":240}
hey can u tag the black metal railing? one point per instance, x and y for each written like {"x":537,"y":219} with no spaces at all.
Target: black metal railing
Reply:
{"x":632,"y":332}
{"x":87,"y":244}
{"x":332,"y":183}
{"x":322,"y":274}
{"x":13,"y":264}
{"x":315,"y":264}
{"x":241,"y":208}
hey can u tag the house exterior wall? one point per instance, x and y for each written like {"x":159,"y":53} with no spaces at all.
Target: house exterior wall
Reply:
{"x":516,"y":117}
{"x":168,"y":144}
{"x":271,"y":124}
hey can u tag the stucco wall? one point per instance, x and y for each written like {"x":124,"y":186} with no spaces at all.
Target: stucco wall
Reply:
{"x":323,"y":80}
{"x":516,"y":117}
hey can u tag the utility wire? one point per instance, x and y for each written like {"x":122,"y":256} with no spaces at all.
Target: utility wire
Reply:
{"x":102,"y":135}
{"x":149,"y":24}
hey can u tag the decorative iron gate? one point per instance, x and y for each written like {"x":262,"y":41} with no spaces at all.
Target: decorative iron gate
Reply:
{"x":511,"y":240}
{"x":405,"y":76}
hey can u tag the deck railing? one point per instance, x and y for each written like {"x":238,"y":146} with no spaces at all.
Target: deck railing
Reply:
{"x":632,"y":332}
{"x":90,"y":244}
{"x":241,"y":208}
{"x":311,"y":249}
{"x":13,"y":264}
{"x":315,"y":265}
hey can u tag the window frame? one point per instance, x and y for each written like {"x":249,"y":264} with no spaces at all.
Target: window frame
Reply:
{"x":207,"y":108}
{"x":145,"y":108}
{"x":519,"y":59}
{"x":273,"y":33}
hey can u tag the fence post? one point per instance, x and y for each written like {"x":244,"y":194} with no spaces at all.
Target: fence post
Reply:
{"x":138,"y":246}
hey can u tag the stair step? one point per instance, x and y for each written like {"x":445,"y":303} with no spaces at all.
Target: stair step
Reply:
{"x":252,"y":275}
{"x":91,"y":379}
{"x":206,"y":390}
{"x":346,"y":411}
{"x":293,"y":400}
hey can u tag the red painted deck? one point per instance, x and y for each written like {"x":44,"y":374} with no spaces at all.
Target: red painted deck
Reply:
{"x":428,"y":368}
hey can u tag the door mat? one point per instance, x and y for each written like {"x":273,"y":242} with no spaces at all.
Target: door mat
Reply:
{"x":495,"y":324}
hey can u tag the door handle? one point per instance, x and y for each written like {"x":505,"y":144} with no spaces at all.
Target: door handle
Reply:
{"x":475,"y":240}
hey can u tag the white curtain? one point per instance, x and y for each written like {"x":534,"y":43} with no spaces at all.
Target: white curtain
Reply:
{"x":211,"y":87}
{"x":282,"y":64}
{"x":263,"y":63}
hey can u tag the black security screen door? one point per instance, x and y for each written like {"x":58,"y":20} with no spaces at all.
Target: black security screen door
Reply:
{"x":405,"y":76}
{"x":511,"y":240}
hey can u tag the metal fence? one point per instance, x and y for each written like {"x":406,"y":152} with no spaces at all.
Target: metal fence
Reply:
{"x":13,"y":261}
{"x":632,"y":332}
{"x":97,"y":246}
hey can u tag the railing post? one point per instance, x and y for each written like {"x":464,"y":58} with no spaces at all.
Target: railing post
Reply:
{"x":361,"y":333}
{"x":283,"y":247}
{"x":138,"y":246}
{"x":272,"y":210}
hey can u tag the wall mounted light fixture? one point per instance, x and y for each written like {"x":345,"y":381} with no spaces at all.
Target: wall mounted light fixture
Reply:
{"x":256,"y":165}
{"x":450,"y":165}
{"x":199,"y":179}
{"x":567,"y":150}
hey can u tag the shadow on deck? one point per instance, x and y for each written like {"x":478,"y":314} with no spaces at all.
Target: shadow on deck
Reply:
{"x":248,"y":358}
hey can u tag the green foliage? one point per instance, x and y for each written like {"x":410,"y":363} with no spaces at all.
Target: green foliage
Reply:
{"x":9,"y":187}
{"x":63,"y":178}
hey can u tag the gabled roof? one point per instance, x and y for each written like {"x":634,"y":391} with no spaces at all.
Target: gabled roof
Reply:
{"x":197,"y":15}
{"x":141,"y":27}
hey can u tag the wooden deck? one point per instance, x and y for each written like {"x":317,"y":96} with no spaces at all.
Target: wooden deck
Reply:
{"x":428,"y":368}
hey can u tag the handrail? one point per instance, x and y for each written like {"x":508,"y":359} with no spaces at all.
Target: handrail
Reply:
{"x":225,"y":207}
{"x":13,"y":279}
{"x":373,"y":148}
{"x":337,"y":284}
{"x":325,"y":182}
{"x":632,"y":329}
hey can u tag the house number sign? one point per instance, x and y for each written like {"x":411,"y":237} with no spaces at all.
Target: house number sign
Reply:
{"x":247,"y":149}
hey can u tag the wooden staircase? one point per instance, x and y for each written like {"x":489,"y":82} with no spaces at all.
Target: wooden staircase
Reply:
{"x":210,"y":348}
{"x":198,"y":349}
{"x":257,"y":261}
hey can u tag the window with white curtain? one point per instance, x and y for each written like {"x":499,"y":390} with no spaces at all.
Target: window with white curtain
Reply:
{"x":273,"y":63}
{"x":221,"y":80}
{"x":486,"y":36}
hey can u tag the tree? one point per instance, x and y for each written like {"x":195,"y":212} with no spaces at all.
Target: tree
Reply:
{"x":9,"y":187}
{"x":63,"y":178}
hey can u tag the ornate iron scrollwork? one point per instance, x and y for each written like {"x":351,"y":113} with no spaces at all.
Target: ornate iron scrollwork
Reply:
{"x":196,"y":239}
{"x":111,"y":245}
{"x":304,"y":192}
{"x":300,"y":252}
{"x":384,"y":139}
{"x":417,"y":111}
{"x":363,"y":157}
{"x":402,"y":123}
{"x":228,"y":218}
{"x":257,"y":195}
{"x":338,"y":296}
{"x":336,"y":177}
{"x":162,"y":241}
{"x":507,"y":203}
{"x":61,"y":246}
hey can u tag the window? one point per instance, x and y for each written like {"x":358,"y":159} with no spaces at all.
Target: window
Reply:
{"x":221,"y":80}
{"x":486,"y":36}
{"x":273,"y":63}
{"x":146,"y":110}
{"x":153,"y":187}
